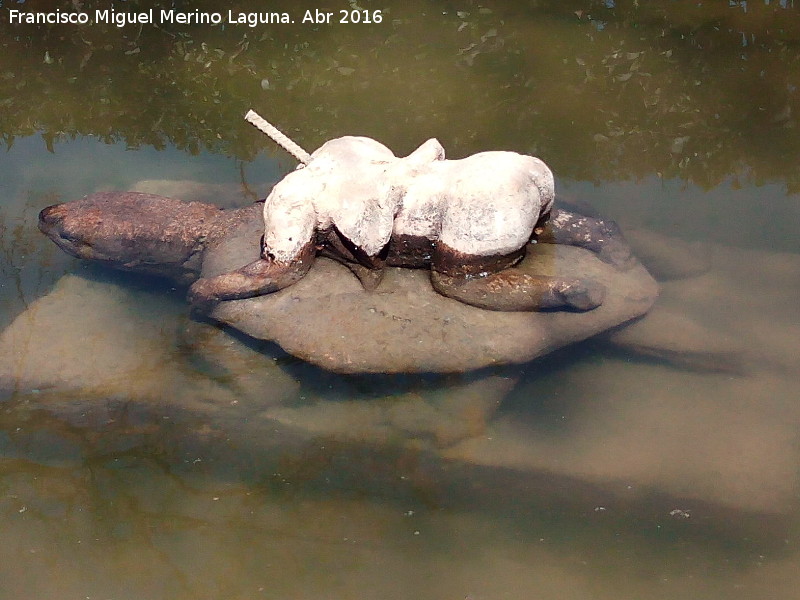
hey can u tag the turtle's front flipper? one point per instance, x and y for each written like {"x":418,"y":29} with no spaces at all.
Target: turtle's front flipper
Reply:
{"x":262,"y":276}
{"x":604,"y":238}
{"x":513,"y":290}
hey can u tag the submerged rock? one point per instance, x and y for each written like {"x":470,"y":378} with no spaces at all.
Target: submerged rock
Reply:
{"x":437,"y":418}
{"x":668,"y":257}
{"x":674,"y":337}
{"x":92,"y":336}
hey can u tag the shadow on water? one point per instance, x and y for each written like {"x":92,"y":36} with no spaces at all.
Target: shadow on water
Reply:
{"x":92,"y":438}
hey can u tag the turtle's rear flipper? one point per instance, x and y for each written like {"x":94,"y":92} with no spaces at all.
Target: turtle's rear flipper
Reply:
{"x":604,"y":238}
{"x":513,"y":290}
{"x":370,"y":278}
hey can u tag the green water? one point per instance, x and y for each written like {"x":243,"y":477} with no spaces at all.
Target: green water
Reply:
{"x":144,"y":455}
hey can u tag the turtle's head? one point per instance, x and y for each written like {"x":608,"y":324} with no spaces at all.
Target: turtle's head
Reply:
{"x":70,"y":231}
{"x":105,"y":227}
{"x":133,"y":231}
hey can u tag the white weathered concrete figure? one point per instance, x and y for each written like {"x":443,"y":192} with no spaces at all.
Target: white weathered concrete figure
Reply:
{"x":487,"y":204}
{"x":469,"y":220}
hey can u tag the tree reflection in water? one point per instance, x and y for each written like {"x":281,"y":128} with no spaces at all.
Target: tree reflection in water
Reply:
{"x":605,"y":90}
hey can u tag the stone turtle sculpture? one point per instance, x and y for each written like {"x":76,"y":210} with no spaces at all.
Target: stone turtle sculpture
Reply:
{"x":327,"y":318}
{"x":470,"y":221}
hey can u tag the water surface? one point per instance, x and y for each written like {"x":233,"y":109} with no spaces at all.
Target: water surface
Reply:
{"x":144,"y":455}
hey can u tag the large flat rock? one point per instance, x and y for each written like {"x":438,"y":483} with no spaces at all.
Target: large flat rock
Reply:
{"x":405,"y":326}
